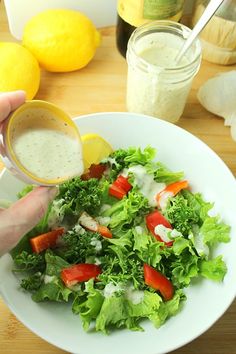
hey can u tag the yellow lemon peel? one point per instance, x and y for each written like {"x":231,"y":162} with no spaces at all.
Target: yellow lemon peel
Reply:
{"x":62,"y":40}
{"x":19,"y":70}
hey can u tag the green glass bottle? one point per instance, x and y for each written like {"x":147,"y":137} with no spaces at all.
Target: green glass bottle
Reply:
{"x":133,"y":13}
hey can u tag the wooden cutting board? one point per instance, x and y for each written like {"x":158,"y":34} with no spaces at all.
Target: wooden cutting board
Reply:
{"x":101,"y":87}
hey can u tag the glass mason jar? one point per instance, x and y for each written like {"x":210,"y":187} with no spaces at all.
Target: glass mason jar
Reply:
{"x":156,"y":84}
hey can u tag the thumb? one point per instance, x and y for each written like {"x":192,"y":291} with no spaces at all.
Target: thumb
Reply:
{"x":23,"y":215}
{"x":9,"y":101}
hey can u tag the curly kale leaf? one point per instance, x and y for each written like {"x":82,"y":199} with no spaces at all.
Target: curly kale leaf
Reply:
{"x":26,"y":261}
{"x":32,"y":282}
{"x":82,"y":195}
{"x":78,"y":247}
{"x":121,"y":266}
{"x":181,"y":215}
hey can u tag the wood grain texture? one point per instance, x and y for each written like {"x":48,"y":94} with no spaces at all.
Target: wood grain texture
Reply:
{"x":101,"y":87}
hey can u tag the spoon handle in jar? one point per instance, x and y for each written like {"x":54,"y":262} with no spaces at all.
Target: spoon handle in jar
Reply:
{"x":204,"y":19}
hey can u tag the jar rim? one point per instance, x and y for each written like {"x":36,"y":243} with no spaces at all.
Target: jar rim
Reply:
{"x":170,"y":27}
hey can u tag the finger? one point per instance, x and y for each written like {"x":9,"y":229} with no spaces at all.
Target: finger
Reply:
{"x":9,"y":101}
{"x":23,"y":215}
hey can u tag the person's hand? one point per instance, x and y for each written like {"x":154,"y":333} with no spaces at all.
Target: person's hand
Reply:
{"x":24,"y":214}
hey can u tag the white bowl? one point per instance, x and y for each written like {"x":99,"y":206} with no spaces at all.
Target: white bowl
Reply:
{"x":207,"y":300}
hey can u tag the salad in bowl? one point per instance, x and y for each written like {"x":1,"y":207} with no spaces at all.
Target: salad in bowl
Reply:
{"x":121,"y":242}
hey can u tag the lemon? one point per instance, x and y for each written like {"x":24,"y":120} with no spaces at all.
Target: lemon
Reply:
{"x":95,"y":148}
{"x":19,"y":70}
{"x":62,"y":40}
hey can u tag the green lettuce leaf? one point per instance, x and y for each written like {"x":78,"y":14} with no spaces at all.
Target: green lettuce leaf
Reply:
{"x":141,"y":239}
{"x":126,"y":212}
{"x":162,"y":173}
{"x":148,"y":249}
{"x":214,"y":231}
{"x":149,"y":305}
{"x":54,"y":264}
{"x":197,"y":203}
{"x":90,"y":308}
{"x":168,"y":309}
{"x":184,"y":266}
{"x":55,"y":290}
{"x":197,"y":240}
{"x":180,"y":244}
{"x":113,"y":312}
{"x":137,"y":156}
{"x":214,"y":269}
{"x":125,"y":240}
{"x":119,"y":311}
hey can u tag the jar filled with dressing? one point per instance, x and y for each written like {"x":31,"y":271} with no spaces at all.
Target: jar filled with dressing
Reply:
{"x":41,"y":144}
{"x":157,"y":85}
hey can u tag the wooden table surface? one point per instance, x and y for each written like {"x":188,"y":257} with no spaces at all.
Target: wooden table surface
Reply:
{"x":101,"y":87}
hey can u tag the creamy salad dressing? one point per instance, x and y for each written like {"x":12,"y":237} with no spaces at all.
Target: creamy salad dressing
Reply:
{"x":162,"y":55}
{"x":146,"y":183}
{"x":97,"y":244}
{"x":165,"y":233}
{"x":56,"y":215}
{"x":133,"y":295}
{"x":111,"y":288}
{"x":47,"y":147}
{"x":139,"y":229}
{"x":103,"y":220}
{"x":156,"y":84}
{"x":49,"y":279}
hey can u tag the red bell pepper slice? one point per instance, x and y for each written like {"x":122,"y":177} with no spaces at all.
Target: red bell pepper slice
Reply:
{"x":116,"y":191}
{"x":170,"y":191}
{"x":155,"y":218}
{"x":94,"y":171}
{"x":158,"y":281}
{"x":120,"y":187}
{"x":123,"y":183}
{"x":45,"y":241}
{"x":79,"y":273}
